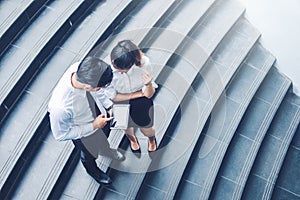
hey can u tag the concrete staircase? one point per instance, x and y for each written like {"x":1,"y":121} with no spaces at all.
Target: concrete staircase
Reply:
{"x":227,"y":120}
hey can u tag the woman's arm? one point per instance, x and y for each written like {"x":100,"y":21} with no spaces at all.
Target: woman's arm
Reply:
{"x":149,"y":90}
{"x":125,"y":97}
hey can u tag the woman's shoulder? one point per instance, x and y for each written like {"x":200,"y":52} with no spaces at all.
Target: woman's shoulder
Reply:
{"x":145,"y":60}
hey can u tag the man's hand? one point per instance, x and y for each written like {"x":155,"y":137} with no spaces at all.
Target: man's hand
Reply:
{"x":101,"y":121}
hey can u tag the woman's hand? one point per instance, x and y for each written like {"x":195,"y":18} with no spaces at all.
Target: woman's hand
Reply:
{"x":147,"y":78}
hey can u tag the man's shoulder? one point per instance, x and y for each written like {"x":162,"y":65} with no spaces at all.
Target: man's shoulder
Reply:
{"x":59,"y":111}
{"x":61,"y":95}
{"x":72,"y":68}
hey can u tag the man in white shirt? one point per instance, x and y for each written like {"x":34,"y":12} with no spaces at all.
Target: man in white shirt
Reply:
{"x":73,"y":116}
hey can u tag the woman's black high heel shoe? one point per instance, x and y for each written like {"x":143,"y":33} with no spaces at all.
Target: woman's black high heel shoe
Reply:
{"x":137,"y":150}
{"x":155,"y":144}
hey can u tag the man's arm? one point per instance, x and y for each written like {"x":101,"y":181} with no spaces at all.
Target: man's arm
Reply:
{"x":63,"y":129}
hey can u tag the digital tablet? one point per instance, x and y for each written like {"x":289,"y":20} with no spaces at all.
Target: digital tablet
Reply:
{"x":121,"y":116}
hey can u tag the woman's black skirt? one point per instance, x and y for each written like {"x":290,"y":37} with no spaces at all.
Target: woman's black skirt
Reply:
{"x":141,"y":113}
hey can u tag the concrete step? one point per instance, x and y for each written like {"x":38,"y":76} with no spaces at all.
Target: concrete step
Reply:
{"x":22,"y":125}
{"x":272,"y":152}
{"x":15,"y":16}
{"x":39,"y":177}
{"x":172,"y":174}
{"x":287,"y":185}
{"x":25,"y":55}
{"x":244,"y":146}
{"x":136,"y":29}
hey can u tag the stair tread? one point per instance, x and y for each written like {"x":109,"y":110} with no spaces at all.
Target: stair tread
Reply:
{"x":166,"y":172}
{"x":31,"y":42}
{"x":242,"y":150}
{"x":287,"y":185}
{"x":273,"y":150}
{"x":36,"y":173}
{"x":226,"y":116}
{"x":192,"y":182}
{"x":10,"y":11}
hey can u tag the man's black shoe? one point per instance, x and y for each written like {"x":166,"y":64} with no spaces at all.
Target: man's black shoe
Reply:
{"x":101,"y":178}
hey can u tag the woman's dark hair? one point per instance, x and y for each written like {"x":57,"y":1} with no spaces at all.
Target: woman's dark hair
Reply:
{"x":125,"y":54}
{"x":95,"y":72}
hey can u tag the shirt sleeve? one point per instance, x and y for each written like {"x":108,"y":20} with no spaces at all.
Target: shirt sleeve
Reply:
{"x":102,"y":98}
{"x":110,"y":92}
{"x":63,"y":129}
{"x":154,"y":85}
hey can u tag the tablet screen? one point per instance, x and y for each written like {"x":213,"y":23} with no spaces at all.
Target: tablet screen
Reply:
{"x":121,"y":115}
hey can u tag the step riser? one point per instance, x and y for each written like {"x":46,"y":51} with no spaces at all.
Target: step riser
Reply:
{"x":17,"y":22}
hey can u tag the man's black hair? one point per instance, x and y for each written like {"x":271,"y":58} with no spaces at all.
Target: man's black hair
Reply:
{"x":95,"y":72}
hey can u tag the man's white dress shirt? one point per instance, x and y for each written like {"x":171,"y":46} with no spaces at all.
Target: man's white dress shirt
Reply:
{"x":70,"y":113}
